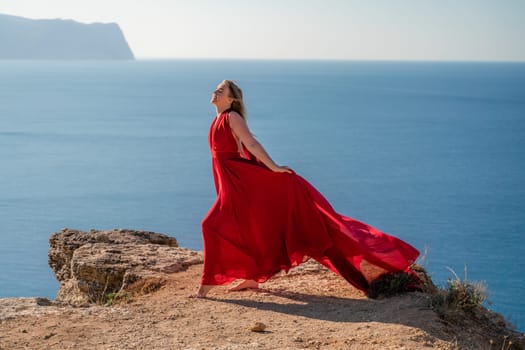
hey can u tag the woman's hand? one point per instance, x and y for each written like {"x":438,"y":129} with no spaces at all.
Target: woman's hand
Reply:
{"x":282,"y":169}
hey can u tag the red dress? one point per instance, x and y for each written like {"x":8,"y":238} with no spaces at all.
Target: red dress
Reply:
{"x":263,"y":222}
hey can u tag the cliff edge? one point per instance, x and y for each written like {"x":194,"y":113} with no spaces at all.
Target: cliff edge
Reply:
{"x":56,"y":39}
{"x":126,"y":289}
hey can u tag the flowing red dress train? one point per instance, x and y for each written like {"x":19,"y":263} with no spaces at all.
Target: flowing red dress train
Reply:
{"x":263,"y":222}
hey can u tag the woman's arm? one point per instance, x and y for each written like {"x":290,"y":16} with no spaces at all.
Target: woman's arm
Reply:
{"x":240,"y":129}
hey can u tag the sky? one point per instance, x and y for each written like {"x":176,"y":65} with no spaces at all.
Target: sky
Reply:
{"x":437,"y":30}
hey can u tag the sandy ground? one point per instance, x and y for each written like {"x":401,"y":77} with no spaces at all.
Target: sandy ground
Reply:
{"x":308,"y":309}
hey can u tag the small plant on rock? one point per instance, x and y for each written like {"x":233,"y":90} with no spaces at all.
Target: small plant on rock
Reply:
{"x":393,"y":283}
{"x":462,"y":294}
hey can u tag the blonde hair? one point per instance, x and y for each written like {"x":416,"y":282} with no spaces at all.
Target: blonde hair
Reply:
{"x":236,"y":95}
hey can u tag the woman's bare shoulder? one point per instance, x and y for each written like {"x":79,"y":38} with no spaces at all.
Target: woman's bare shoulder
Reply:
{"x":235,"y":118}
{"x":235,"y":115}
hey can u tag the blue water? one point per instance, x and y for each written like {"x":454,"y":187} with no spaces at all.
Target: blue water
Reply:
{"x":433,"y":153}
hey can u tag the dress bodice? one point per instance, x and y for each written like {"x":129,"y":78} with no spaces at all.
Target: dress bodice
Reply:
{"x":221,"y":140}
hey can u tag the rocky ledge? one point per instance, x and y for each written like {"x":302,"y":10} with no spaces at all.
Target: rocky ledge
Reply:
{"x":126,"y":289}
{"x":92,"y":266}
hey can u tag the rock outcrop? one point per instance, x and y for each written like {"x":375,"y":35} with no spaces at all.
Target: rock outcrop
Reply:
{"x":57,"y":39}
{"x":96,"y":265}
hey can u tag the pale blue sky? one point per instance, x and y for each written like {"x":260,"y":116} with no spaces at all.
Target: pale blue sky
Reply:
{"x":473,"y":30}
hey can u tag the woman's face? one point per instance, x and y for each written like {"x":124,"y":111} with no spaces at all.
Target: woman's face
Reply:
{"x":221,"y":95}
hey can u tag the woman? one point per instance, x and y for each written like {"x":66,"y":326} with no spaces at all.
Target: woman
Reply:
{"x":267,"y":218}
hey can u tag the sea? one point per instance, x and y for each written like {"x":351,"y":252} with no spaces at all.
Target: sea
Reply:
{"x":431,"y":152}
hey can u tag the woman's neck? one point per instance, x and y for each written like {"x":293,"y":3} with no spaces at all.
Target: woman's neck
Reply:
{"x":221,"y":109}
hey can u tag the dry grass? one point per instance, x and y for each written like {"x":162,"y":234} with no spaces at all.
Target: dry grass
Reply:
{"x":393,"y":283}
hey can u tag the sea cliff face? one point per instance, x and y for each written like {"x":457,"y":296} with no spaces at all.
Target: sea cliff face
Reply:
{"x":56,"y":39}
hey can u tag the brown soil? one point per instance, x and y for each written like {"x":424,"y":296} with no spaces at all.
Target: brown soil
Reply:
{"x":310,"y":308}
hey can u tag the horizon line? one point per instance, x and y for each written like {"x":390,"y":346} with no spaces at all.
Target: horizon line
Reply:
{"x":327,"y":59}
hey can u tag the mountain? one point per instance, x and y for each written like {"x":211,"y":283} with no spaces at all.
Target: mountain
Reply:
{"x":50,"y":39}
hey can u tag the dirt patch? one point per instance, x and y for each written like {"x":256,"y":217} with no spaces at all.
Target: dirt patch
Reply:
{"x":310,"y":308}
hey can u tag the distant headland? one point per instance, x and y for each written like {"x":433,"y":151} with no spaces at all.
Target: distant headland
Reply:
{"x":57,"y":39}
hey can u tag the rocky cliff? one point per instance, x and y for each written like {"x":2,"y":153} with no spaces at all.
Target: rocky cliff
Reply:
{"x":92,"y":265}
{"x":126,"y":289}
{"x":22,"y":38}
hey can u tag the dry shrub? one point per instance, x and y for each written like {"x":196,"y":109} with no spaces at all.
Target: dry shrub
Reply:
{"x":394,"y":283}
{"x":460,"y":295}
